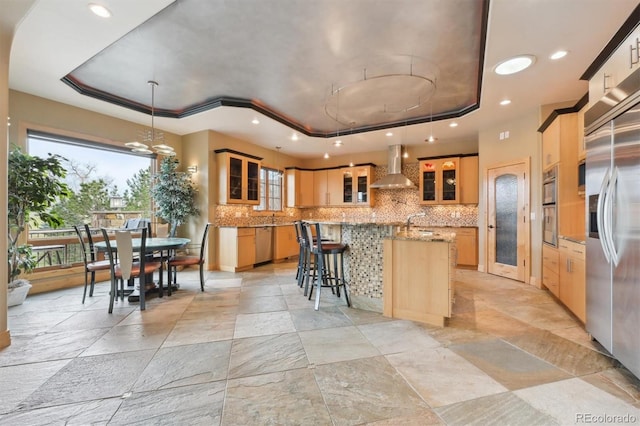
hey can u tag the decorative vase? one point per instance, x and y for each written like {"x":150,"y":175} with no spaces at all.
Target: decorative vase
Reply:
{"x":17,"y":295}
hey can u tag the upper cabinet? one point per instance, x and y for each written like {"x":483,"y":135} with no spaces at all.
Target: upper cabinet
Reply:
{"x":356,"y":183}
{"x":469,"y":173}
{"x":624,"y":60}
{"x":551,"y":145}
{"x":339,"y":187}
{"x":439,"y":181}
{"x":451,"y":180}
{"x":300,"y":188}
{"x":239,"y":177}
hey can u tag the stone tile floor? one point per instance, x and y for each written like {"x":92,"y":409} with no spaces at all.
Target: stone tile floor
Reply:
{"x":251,"y":350}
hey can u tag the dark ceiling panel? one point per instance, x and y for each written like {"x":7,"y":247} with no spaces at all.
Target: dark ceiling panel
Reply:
{"x":294,"y":59}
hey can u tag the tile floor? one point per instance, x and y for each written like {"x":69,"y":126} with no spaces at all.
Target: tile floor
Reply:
{"x":251,"y":350}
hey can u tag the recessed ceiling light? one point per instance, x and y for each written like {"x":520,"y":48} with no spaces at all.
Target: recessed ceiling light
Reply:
{"x":337,"y":143}
{"x":326,"y":155}
{"x":559,"y":54}
{"x":294,"y":137}
{"x":389,"y":134}
{"x":505,"y":102}
{"x":100,"y":10}
{"x":255,"y":121}
{"x":514,"y":65}
{"x":454,"y":124}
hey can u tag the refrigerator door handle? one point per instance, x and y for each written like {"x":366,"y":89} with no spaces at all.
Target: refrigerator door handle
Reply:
{"x":600,"y":216}
{"x":608,"y":219}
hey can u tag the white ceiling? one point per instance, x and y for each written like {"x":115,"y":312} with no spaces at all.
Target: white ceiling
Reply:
{"x":56,"y":36}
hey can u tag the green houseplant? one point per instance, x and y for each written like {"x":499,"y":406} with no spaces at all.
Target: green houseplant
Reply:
{"x":34,"y":185}
{"x":174,"y":195}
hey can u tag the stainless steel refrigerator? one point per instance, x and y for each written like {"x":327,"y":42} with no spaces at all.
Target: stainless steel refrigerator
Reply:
{"x":612,"y":190}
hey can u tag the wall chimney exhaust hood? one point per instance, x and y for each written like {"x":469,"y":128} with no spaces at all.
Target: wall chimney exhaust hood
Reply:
{"x":394,"y":178}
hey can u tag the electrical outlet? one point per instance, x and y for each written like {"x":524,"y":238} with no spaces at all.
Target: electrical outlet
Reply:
{"x":238,"y":214}
{"x":457,"y":215}
{"x":453,"y":214}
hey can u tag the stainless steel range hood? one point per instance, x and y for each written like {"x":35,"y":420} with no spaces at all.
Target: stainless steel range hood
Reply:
{"x":394,"y":178}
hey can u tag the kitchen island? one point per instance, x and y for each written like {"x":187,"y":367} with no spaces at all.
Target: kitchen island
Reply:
{"x":367,"y":270}
{"x":419,"y":270}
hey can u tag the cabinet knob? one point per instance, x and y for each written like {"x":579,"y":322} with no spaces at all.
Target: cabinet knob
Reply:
{"x":491,"y":226}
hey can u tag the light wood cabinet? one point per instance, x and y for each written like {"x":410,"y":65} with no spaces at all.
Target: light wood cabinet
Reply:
{"x":572,"y":277}
{"x":334,"y":187}
{"x":439,"y":181}
{"x":469,"y":180}
{"x":356,"y":189}
{"x":285,"y":242}
{"x":551,"y":145}
{"x":238,"y":177}
{"x":236,"y":248}
{"x":418,"y":280}
{"x":550,"y":272}
{"x":300,"y":189}
{"x":467,"y":246}
{"x":343,"y":186}
{"x":622,"y":62}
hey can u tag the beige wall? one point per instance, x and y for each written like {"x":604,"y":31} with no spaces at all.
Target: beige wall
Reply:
{"x":524,"y":141}
{"x":28,"y":111}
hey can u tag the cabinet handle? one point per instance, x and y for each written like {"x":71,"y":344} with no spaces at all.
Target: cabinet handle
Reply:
{"x":633,"y":49}
{"x":604,"y":82}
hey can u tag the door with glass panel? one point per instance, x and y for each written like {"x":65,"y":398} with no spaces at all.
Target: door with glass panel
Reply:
{"x":508,"y":234}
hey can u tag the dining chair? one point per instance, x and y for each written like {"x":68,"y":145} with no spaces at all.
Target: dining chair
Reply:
{"x":125,"y":268}
{"x":176,"y":261}
{"x":91,"y":264}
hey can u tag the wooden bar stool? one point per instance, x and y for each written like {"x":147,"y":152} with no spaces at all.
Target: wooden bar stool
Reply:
{"x":323,"y":275}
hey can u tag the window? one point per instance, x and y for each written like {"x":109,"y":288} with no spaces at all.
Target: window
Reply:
{"x":270,"y":190}
{"x":102,"y":177}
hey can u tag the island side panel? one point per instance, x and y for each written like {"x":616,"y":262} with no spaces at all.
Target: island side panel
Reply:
{"x":364,"y":263}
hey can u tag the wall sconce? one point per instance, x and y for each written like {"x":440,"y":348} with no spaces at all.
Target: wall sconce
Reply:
{"x":192,"y":169}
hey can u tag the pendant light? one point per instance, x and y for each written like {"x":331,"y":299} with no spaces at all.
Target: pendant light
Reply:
{"x":152,"y":137}
{"x":431,"y":138}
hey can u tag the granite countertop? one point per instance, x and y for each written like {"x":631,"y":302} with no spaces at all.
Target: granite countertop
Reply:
{"x":445,"y":237}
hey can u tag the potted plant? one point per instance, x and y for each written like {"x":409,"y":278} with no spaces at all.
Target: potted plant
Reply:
{"x":34,"y":184}
{"x":174,"y":195}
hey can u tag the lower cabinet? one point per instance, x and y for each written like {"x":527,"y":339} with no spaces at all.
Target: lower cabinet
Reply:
{"x":418,"y":280}
{"x":550,"y":276}
{"x":572,"y":277}
{"x":467,"y":246}
{"x":285,"y":243}
{"x":236,"y":248}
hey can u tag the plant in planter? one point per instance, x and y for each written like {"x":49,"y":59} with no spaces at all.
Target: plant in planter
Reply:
{"x":174,"y":195}
{"x":34,"y":185}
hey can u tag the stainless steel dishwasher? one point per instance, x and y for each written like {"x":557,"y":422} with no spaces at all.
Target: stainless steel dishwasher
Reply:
{"x":264,"y":244}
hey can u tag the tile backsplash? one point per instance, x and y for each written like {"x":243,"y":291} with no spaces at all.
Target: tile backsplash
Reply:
{"x":391,"y":205}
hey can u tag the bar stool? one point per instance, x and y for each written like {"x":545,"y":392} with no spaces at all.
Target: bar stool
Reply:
{"x":323,"y":275}
{"x":302,"y":254}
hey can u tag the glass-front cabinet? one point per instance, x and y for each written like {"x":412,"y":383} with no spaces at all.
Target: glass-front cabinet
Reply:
{"x":239,"y":177}
{"x":439,"y":181}
{"x":356,"y":185}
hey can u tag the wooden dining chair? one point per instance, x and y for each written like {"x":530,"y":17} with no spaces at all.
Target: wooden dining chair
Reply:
{"x":126,"y":268}
{"x":176,"y":261}
{"x":91,"y":264}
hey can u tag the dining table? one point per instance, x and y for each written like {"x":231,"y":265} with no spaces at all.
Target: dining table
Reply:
{"x":162,"y":245}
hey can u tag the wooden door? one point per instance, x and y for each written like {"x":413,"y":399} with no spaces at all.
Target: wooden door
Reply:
{"x":508,"y":229}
